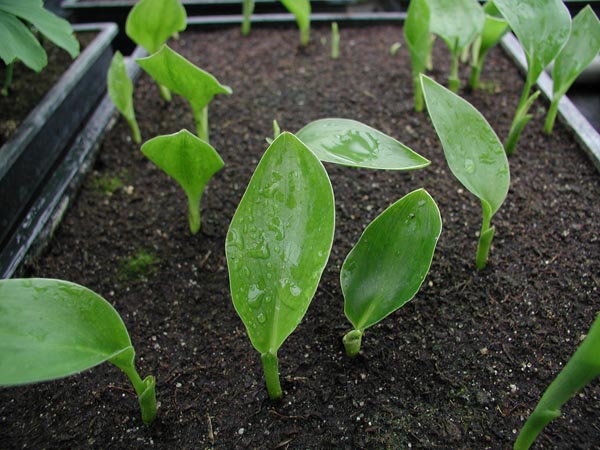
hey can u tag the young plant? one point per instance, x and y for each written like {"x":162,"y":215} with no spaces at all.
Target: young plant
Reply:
{"x":351,"y":143}
{"x":198,"y":87}
{"x":247,"y":10}
{"x":542,"y":27}
{"x":120,"y":91}
{"x":18,"y":41}
{"x":581,"y":369}
{"x":335,"y":41}
{"x":474,"y":154}
{"x":419,"y":42}
{"x":458,"y":23}
{"x":581,"y":48}
{"x":494,"y":28}
{"x":53,"y":328}
{"x":151,"y":23}
{"x":188,"y":160}
{"x":388,"y":264}
{"x":277,"y":246}
{"x":301,"y":11}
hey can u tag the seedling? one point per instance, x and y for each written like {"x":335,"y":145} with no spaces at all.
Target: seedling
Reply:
{"x":19,"y":43}
{"x":494,"y":28}
{"x":542,"y":27}
{"x":581,"y":369}
{"x":52,"y":329}
{"x":301,"y":11}
{"x":351,"y":143}
{"x":247,"y":10}
{"x":581,"y":48}
{"x":198,"y":87}
{"x":151,"y":23}
{"x":419,"y":42}
{"x":388,"y":264}
{"x":474,"y":154}
{"x":120,"y":90}
{"x":190,"y":161}
{"x":277,"y":246}
{"x":138,"y":266}
{"x":335,"y":41}
{"x":458,"y":23}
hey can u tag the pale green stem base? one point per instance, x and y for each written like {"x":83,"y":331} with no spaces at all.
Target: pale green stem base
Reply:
{"x":165,"y":93}
{"x":453,"y":80}
{"x":247,"y":10}
{"x":135,"y":130}
{"x":304,"y":36}
{"x":8,"y":77}
{"x":201,"y":121}
{"x":271,"y":370}
{"x":352,"y":341}
{"x":335,"y":41}
{"x":475,"y":76}
{"x":520,"y":120}
{"x":418,"y":89}
{"x":551,"y":117}
{"x":146,"y":392}
{"x":486,"y":236}
{"x":194,"y":214}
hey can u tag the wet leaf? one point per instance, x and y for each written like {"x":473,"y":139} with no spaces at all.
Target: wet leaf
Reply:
{"x":457,"y":22}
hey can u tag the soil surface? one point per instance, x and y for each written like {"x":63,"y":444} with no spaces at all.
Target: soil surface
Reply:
{"x":459,"y":367}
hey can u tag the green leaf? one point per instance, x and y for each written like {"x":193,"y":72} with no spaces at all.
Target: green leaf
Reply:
{"x":417,"y":35}
{"x":19,"y":43}
{"x":388,"y":264}
{"x":581,"y":48}
{"x":457,"y":22}
{"x":473,"y":151}
{"x":51,"y":329}
{"x":120,"y":90}
{"x":542,"y":27}
{"x":190,"y":161}
{"x":493,"y":30}
{"x":56,"y":29}
{"x":279,"y":241}
{"x":301,"y":11}
{"x":351,"y":143}
{"x":150,"y":23}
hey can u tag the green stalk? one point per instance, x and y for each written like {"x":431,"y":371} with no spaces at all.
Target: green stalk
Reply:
{"x":582,"y":368}
{"x":475,"y":75}
{"x":485,"y":237}
{"x":453,"y":80}
{"x":551,"y":117}
{"x":304,"y":36}
{"x":146,"y":392}
{"x":335,"y":41}
{"x":520,"y":120}
{"x":418,"y":92}
{"x":194,"y":214}
{"x":352,"y":341}
{"x":135,"y":129}
{"x":201,"y":121}
{"x":270,"y":367}
{"x":8,"y":79}
{"x":165,"y":93}
{"x":276,"y":129}
{"x":247,"y":10}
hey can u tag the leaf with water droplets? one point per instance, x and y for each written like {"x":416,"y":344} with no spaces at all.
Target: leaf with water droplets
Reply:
{"x":279,"y":241}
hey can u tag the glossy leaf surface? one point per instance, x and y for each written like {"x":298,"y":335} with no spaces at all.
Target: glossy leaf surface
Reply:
{"x":388,"y":264}
{"x":279,"y":241}
{"x":542,"y":27}
{"x":457,"y":22}
{"x":151,"y":22}
{"x":473,"y":151}
{"x":19,"y":43}
{"x":351,"y":143}
{"x":416,"y":34}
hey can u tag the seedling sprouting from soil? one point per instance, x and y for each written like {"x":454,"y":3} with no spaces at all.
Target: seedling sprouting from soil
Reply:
{"x":581,"y":48}
{"x":542,"y":27}
{"x":458,"y":23}
{"x":351,"y":143}
{"x":188,"y":160}
{"x":247,"y":10}
{"x":582,"y":368}
{"x":474,"y":154}
{"x":151,"y":23}
{"x":277,"y":246}
{"x":198,"y":87}
{"x":493,"y":29}
{"x":419,"y":42}
{"x":335,"y":41}
{"x":301,"y":11}
{"x":53,"y":328}
{"x":388,"y":264}
{"x":120,"y":90}
{"x":19,"y":43}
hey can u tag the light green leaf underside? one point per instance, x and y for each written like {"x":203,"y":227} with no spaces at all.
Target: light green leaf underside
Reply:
{"x":279,"y":241}
{"x":120,"y":87}
{"x":351,"y":143}
{"x":473,"y":151}
{"x":388,"y":264}
{"x":51,"y":329}
{"x":457,"y":22}
{"x":417,"y":35}
{"x":19,"y":43}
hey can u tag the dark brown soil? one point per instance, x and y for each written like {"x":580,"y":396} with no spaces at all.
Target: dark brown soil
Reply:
{"x":459,"y":367}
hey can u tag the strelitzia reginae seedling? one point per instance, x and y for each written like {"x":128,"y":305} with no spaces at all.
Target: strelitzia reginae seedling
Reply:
{"x":151,"y":23}
{"x":419,"y":42}
{"x":301,"y":10}
{"x":247,"y":10}
{"x":277,"y":246}
{"x":388,"y":264}
{"x":580,"y":370}
{"x":18,"y":41}
{"x":474,"y":154}
{"x":53,"y":328}
{"x":579,"y":51}
{"x":188,"y":160}
{"x":120,"y":91}
{"x":198,"y":87}
{"x":542,"y":27}
{"x":458,"y":23}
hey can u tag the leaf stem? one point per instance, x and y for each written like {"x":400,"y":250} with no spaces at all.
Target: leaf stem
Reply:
{"x":335,"y":41}
{"x":551,"y":117}
{"x":418,"y":90}
{"x":194,"y":214}
{"x":8,"y":77}
{"x":135,"y":129}
{"x":271,"y":370}
{"x":475,"y":75}
{"x":485,"y":237}
{"x":453,"y":80}
{"x":146,"y":392}
{"x":201,"y":121}
{"x":352,"y":340}
{"x":305,"y":36}
{"x":247,"y":10}
{"x":520,"y":120}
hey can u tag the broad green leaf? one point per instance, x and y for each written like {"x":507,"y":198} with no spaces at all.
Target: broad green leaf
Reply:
{"x":493,"y":30}
{"x":56,"y":29}
{"x":151,"y":22}
{"x":542,"y":27}
{"x":457,"y":22}
{"x":190,"y":161}
{"x":473,"y":151}
{"x":19,"y":43}
{"x":351,"y":143}
{"x":581,"y":48}
{"x":417,"y":35}
{"x":279,"y":241}
{"x":301,"y":11}
{"x":388,"y":264}
{"x":51,"y":328}
{"x":120,"y":90}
